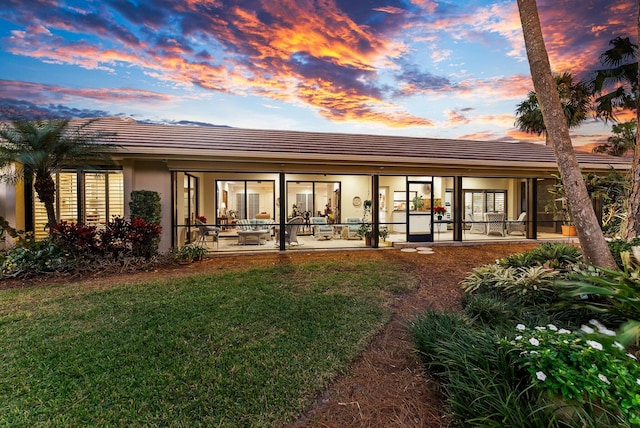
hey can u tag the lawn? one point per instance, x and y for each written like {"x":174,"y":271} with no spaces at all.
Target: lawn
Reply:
{"x":248,"y":348}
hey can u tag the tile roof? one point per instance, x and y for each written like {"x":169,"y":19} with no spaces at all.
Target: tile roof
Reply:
{"x":143,"y":140}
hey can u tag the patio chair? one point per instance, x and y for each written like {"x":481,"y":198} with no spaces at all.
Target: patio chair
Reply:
{"x":205,"y":231}
{"x":290,"y":231}
{"x":352,"y":228}
{"x":495,"y":223}
{"x":475,"y":225}
{"x":321,"y":229}
{"x":519,"y":225}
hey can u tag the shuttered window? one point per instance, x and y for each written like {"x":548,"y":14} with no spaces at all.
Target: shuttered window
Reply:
{"x":103,"y":198}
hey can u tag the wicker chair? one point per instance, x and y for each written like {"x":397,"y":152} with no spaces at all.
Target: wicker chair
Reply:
{"x":476,"y":226}
{"x":519,"y":225}
{"x":495,"y":223}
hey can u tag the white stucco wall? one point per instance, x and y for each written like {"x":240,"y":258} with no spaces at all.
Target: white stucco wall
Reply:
{"x":156,"y":177}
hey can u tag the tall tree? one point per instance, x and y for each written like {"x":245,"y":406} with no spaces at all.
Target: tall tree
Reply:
{"x":622,"y":140}
{"x":39,"y":149}
{"x":594,"y":246}
{"x":617,"y":87}
{"x":575,"y":98}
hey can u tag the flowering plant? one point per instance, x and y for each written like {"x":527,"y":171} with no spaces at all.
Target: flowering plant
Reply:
{"x":438,"y":209}
{"x":201,"y":218}
{"x":586,"y":368}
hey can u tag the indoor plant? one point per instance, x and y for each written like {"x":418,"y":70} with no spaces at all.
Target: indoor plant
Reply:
{"x":439,"y":210}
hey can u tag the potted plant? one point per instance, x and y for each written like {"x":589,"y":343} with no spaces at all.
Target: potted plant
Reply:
{"x":189,"y":253}
{"x":418,"y":202}
{"x":439,"y":211}
{"x":365,"y":231}
{"x":383,"y":232}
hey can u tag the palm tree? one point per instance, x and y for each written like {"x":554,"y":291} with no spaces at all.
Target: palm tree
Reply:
{"x":594,"y":246}
{"x":574,"y":97}
{"x":622,"y":140}
{"x":623,"y":77}
{"x":40,"y":149}
{"x":620,"y":80}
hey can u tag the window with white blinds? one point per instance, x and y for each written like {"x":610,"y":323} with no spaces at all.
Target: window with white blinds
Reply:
{"x":66,"y":203}
{"x":103,"y":199}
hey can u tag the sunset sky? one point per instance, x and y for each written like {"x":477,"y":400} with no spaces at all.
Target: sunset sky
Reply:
{"x":427,"y":68}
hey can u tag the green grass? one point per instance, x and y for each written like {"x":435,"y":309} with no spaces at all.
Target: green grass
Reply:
{"x":248,"y":348}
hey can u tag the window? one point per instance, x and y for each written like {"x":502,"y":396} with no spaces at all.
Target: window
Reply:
{"x":482,"y":201}
{"x":102,"y":199}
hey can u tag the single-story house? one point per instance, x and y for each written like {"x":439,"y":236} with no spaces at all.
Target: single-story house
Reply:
{"x":410,"y":189}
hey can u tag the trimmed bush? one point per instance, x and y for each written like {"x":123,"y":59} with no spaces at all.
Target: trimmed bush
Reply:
{"x":145,"y":204}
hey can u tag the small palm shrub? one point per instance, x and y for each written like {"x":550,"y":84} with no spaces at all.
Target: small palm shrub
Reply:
{"x":529,"y":285}
{"x":552,"y":254}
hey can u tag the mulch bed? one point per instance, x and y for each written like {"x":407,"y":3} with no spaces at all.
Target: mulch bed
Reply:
{"x":385,"y":386}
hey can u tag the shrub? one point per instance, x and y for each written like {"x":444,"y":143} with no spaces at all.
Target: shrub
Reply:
{"x":551,"y":254}
{"x":34,"y":258}
{"x":529,"y":285}
{"x":189,"y":253}
{"x":144,"y":238}
{"x":76,"y":238}
{"x":483,"y":387}
{"x":619,"y":246}
{"x":586,"y":374}
{"x":145,"y":204}
{"x":608,"y":291}
{"x":114,"y":237}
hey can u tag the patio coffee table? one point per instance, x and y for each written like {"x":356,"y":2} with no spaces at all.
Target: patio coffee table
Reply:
{"x":252,"y":236}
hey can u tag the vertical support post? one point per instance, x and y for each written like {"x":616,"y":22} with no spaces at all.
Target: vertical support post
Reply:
{"x":375,"y":210}
{"x":532,"y":208}
{"x":458,"y":208}
{"x":283,"y":211}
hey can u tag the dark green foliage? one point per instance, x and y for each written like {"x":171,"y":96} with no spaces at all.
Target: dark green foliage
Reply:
{"x":73,"y":246}
{"x":490,"y":382}
{"x":145,"y":204}
{"x":618,"y":246}
{"x":489,"y":309}
{"x":484,"y":388}
{"x":552,"y":254}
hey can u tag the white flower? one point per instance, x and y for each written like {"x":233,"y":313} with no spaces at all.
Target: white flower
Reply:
{"x":518,"y":337}
{"x":533,"y":352}
{"x":618,"y":345}
{"x":604,"y":379}
{"x":564,"y":331}
{"x":534,"y":341}
{"x":521,"y":327}
{"x":601,"y":328}
{"x":587,"y":329}
{"x":632,"y":356}
{"x":540,"y":328}
{"x":594,"y":345}
{"x":596,"y":323}
{"x":552,"y":327}
{"x":541,"y":376}
{"x":638,"y":381}
{"x":607,"y":332}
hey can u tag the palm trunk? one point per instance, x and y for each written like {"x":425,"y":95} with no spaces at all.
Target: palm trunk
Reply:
{"x":45,"y":188}
{"x":633,"y":207}
{"x":594,"y":246}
